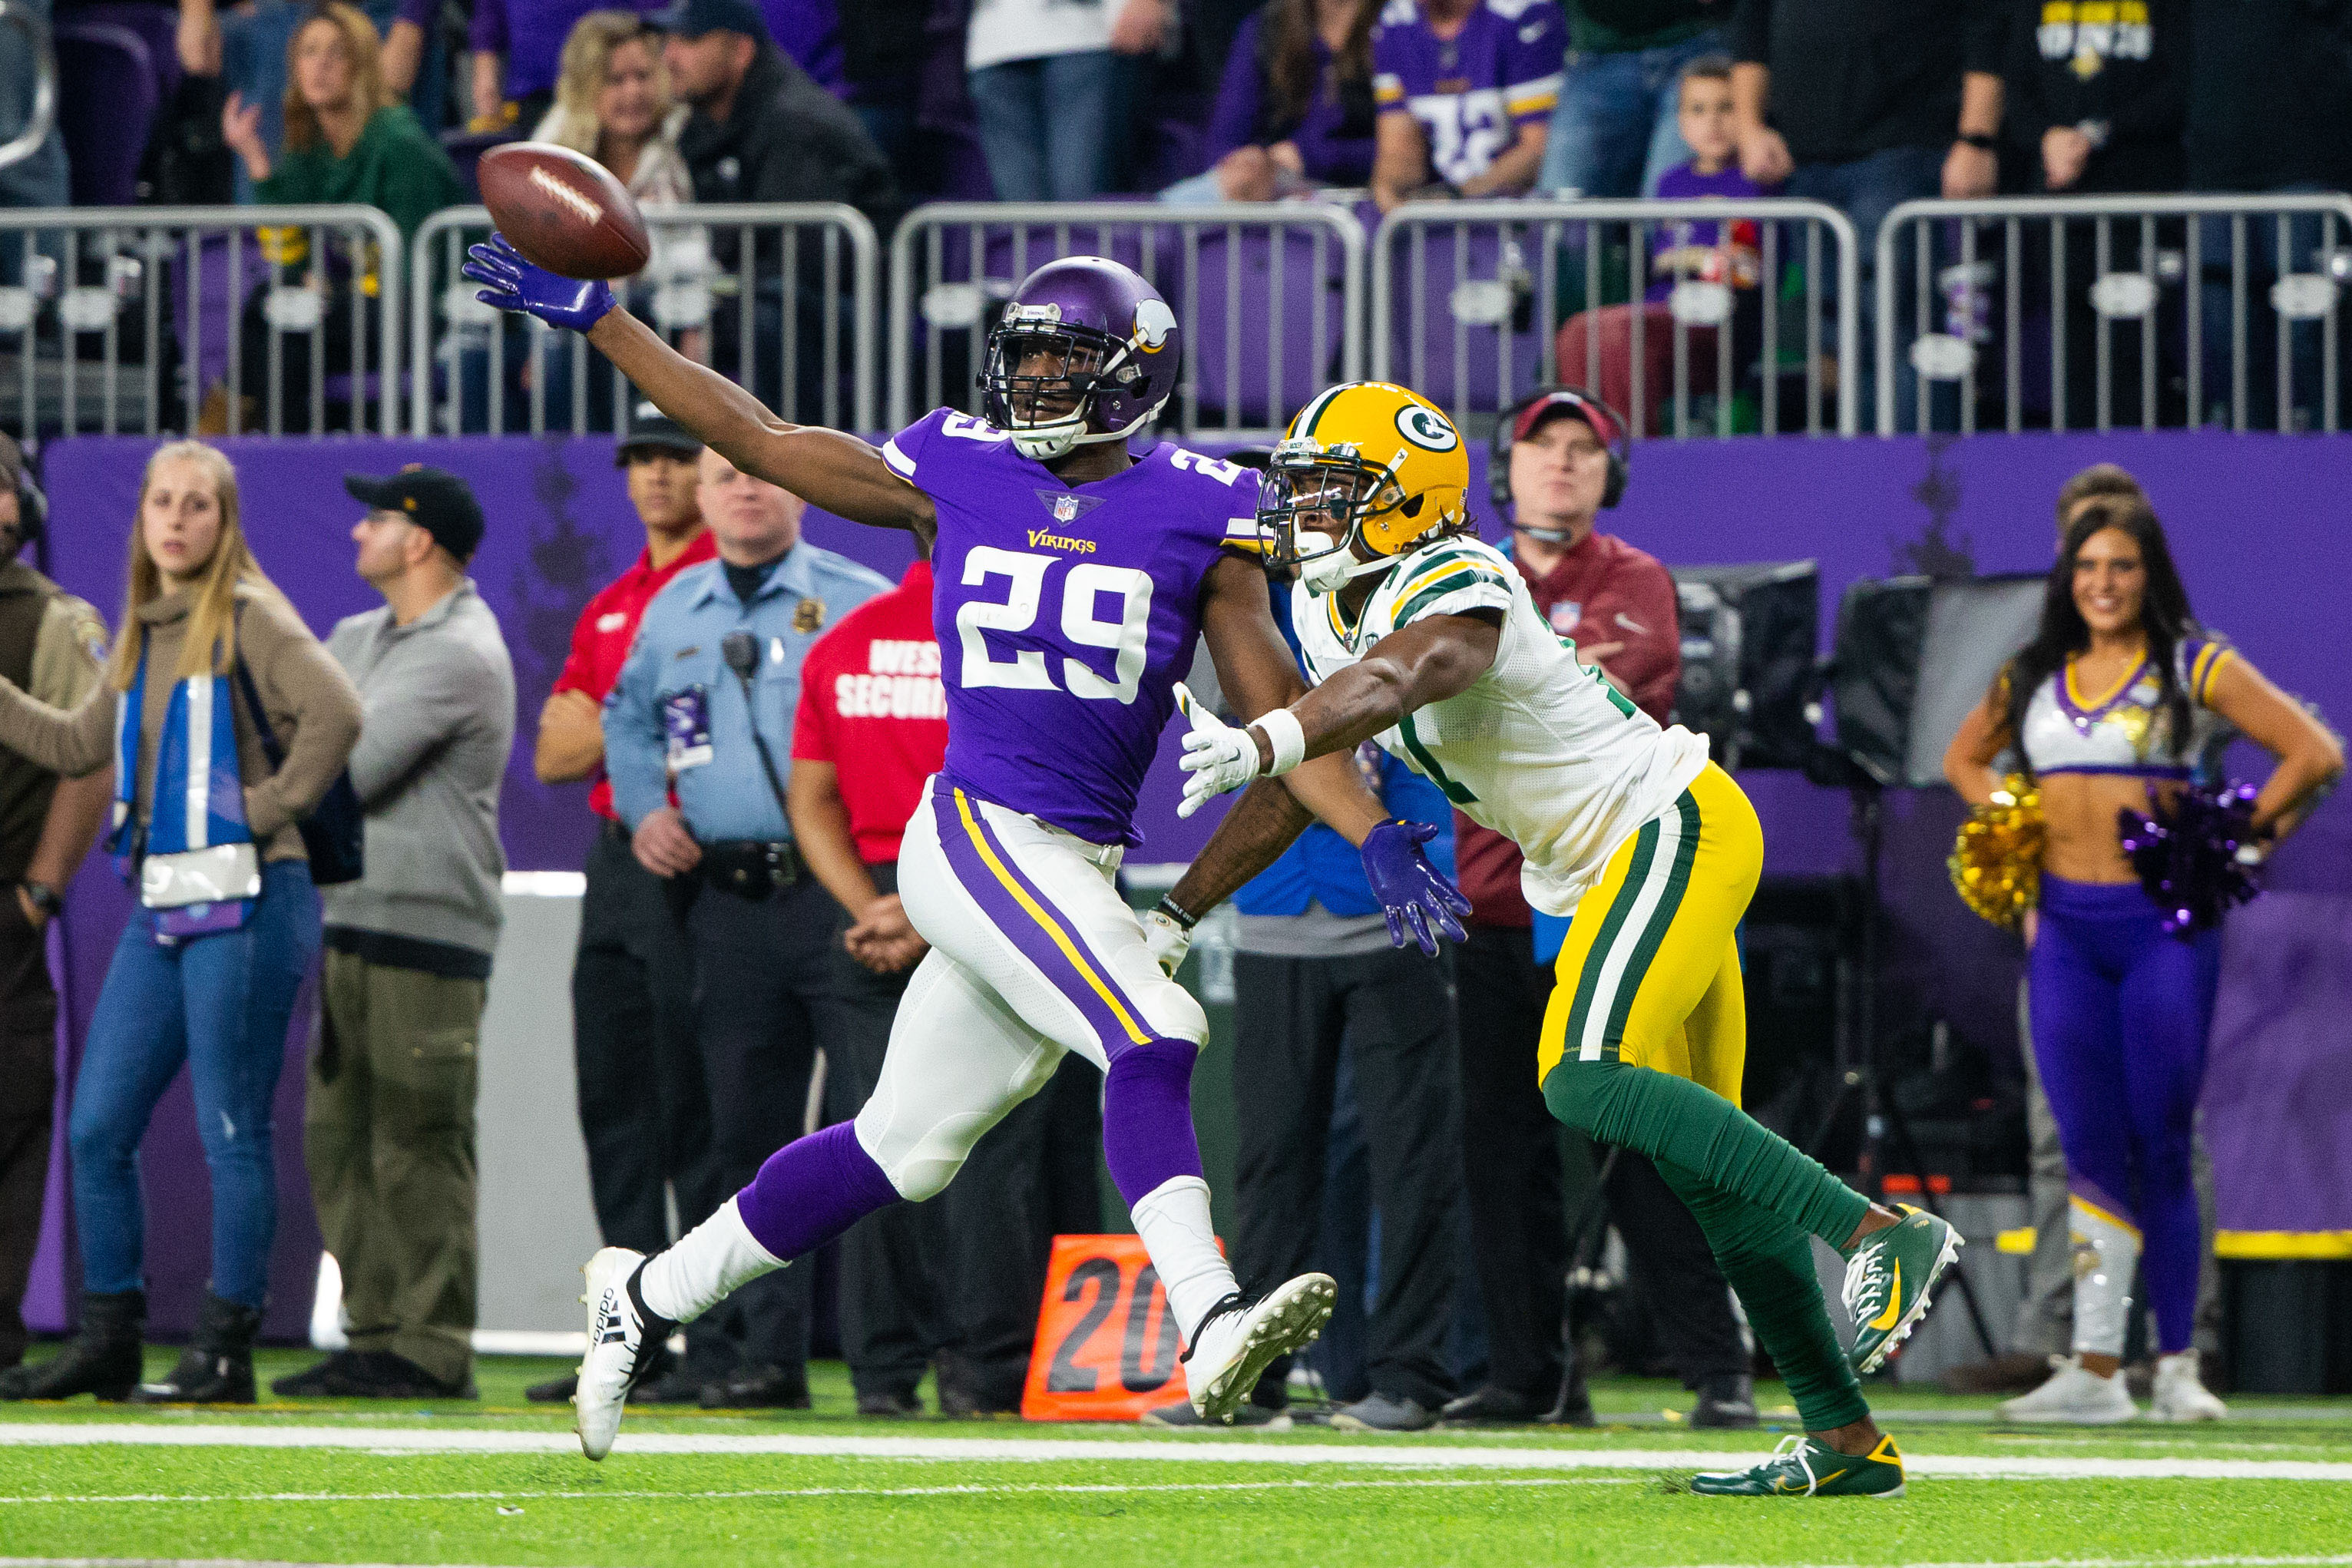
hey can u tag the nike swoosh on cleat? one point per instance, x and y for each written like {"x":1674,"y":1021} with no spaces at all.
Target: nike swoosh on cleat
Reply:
{"x":1885,"y":1321}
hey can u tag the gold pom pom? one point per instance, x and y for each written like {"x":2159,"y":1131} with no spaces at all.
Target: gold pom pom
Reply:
{"x":1996,"y":862}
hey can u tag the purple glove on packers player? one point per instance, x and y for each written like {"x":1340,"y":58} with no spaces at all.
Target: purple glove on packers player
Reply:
{"x":1412,"y":892}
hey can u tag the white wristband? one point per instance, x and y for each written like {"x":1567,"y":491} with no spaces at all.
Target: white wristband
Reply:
{"x":1289,"y":741}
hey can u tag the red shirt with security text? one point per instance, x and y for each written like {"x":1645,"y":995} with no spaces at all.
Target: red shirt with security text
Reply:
{"x":872,"y":705}
{"x":603,"y":635}
{"x":1603,"y":591}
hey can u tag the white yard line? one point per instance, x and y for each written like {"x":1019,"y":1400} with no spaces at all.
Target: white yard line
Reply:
{"x":968,"y":1489}
{"x":1206,"y":1449}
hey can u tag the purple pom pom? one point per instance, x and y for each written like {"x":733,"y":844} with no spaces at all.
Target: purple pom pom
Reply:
{"x":2188,"y":859}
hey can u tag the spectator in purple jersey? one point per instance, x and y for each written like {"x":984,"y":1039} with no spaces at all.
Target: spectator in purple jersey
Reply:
{"x":1295,"y":111}
{"x":1683,"y":250}
{"x":1465,"y":90}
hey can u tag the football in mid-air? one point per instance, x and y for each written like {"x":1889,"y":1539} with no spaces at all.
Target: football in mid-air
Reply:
{"x":563,"y":211}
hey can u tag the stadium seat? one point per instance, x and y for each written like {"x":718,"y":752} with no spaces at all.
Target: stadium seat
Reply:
{"x":112,"y":90}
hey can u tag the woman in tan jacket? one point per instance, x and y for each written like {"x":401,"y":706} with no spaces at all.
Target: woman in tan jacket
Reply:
{"x":207,"y":969}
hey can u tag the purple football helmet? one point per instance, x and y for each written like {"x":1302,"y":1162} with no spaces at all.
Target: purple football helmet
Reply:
{"x":1112,"y":347}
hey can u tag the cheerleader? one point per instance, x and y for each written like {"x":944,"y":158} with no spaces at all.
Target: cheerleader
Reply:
{"x":2111,"y":707}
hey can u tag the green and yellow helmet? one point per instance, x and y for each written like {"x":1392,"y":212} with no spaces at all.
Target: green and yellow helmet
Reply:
{"x":1369,"y":462}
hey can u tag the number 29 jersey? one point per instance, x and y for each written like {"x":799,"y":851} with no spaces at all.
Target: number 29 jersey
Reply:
{"x":1540,"y":748}
{"x":1066,"y":614}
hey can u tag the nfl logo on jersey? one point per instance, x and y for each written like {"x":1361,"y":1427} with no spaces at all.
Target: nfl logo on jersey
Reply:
{"x":1066,"y":507}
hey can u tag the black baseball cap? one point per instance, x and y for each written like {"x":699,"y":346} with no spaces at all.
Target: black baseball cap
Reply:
{"x":693,"y":18}
{"x":653,"y":431}
{"x":435,"y":500}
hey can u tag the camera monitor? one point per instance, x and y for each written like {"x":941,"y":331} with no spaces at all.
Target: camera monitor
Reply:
{"x":1749,"y":635}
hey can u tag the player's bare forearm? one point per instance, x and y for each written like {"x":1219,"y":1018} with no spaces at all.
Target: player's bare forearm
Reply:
{"x":1260,"y":825}
{"x":827,"y":468}
{"x":1427,"y":662}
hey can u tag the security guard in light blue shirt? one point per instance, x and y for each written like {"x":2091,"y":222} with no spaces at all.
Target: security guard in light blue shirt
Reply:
{"x":704,"y":707}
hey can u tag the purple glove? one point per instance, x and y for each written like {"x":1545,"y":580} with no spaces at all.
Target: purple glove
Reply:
{"x":519,"y":285}
{"x":1412,"y":892}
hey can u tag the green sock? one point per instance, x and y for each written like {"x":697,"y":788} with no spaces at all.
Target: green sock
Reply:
{"x":1676,"y":1121}
{"x":1771,"y":1263}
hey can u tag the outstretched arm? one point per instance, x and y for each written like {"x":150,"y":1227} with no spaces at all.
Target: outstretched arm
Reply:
{"x":1425,"y":662}
{"x":827,"y":468}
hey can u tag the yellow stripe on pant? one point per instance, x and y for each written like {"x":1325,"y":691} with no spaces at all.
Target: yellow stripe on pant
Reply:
{"x":1650,"y":972}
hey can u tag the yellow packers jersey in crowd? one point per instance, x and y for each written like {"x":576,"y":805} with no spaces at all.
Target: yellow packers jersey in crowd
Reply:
{"x":1540,"y":748}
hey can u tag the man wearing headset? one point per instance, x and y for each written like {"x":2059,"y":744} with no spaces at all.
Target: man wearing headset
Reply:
{"x":1558,"y":460}
{"x":52,"y":645}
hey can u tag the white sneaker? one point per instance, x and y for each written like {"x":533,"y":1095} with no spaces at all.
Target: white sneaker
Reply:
{"x":1239,"y":1338}
{"x":2074,"y":1397}
{"x":620,"y":1325}
{"x":2181,"y":1395}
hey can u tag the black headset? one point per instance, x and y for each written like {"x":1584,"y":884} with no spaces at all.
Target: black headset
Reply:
{"x":1605,"y":421}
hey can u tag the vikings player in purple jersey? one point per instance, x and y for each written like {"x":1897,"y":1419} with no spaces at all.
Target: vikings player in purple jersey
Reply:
{"x":1073,"y":581}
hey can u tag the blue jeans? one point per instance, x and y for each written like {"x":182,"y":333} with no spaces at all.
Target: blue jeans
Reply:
{"x":1613,"y":133}
{"x":222,"y":1004}
{"x":1046,"y":125}
{"x":1866,"y":190}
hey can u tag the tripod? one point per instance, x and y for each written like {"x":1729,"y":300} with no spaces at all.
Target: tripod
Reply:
{"x":1884,"y":1130}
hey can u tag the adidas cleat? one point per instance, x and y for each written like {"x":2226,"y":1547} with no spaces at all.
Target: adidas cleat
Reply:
{"x":1887,"y":1281}
{"x":1242,"y":1337}
{"x":1801,"y":1466}
{"x":625,"y":1341}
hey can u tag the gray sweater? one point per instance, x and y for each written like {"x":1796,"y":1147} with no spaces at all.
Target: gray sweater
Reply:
{"x":439,"y":696}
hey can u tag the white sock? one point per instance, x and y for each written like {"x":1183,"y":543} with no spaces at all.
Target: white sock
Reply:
{"x":704,"y":1266}
{"x":1173,"y":1220}
{"x":2106,"y":1252}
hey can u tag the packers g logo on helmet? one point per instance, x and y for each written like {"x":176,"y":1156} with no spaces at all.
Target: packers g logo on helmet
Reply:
{"x":1365,"y":461}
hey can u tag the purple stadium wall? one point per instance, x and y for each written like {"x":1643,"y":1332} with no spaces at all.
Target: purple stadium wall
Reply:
{"x":2258,"y":524}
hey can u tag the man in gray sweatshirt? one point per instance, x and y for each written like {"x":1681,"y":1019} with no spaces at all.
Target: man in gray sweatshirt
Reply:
{"x":388,"y":1133}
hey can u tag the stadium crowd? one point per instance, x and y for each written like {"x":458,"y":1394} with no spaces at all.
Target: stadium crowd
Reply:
{"x":1863,"y":105}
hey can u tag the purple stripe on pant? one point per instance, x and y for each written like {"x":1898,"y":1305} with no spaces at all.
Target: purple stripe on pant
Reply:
{"x":2121,"y":1012}
{"x":1004,"y":911}
{"x":1148,"y":1138}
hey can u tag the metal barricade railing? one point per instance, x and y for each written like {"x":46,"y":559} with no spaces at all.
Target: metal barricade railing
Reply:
{"x":1753,"y":308}
{"x":1270,"y":296}
{"x":784,"y":299}
{"x":146,"y":319}
{"x":2161,"y":294}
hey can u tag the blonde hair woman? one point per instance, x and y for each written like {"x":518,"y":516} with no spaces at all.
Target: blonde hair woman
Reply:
{"x":613,"y":103}
{"x":208,"y":968}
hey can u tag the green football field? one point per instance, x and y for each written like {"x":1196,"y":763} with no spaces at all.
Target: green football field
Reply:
{"x":502,"y":1482}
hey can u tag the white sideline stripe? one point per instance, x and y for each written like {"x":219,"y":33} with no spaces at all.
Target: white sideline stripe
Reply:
{"x":968,"y":1489}
{"x":2111,"y":1563}
{"x":1069,"y":1450}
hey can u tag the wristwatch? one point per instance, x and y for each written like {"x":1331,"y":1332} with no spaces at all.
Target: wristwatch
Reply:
{"x":45,"y":899}
{"x":1979,"y":141}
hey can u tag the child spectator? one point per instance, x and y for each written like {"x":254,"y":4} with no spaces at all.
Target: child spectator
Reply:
{"x":1682,"y":251}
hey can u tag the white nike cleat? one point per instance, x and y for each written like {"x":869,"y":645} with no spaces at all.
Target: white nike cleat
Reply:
{"x":2181,"y":1395}
{"x":2075,"y":1397}
{"x":1240,"y":1338}
{"x":621,"y":1329}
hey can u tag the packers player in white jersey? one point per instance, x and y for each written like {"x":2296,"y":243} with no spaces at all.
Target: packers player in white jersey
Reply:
{"x":1421,"y":638}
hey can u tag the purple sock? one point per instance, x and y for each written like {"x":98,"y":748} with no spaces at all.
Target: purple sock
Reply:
{"x":1148,"y":1137}
{"x":811,"y":1190}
